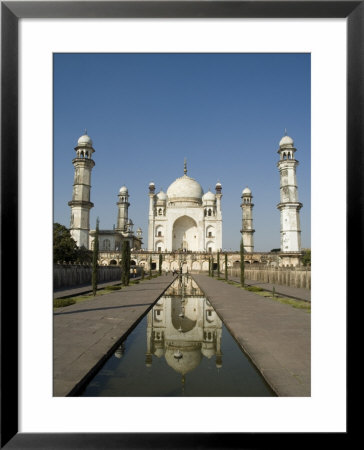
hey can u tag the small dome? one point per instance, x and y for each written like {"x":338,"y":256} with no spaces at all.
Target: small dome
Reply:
{"x":162,"y":196}
{"x":159,"y":352}
{"x":246,"y":191}
{"x":85,"y":141}
{"x":209,"y":196}
{"x":286,"y":140}
{"x":151,"y":183}
{"x":184,"y":188}
{"x":218,"y":184}
{"x":208,"y":350}
{"x":123,"y":190}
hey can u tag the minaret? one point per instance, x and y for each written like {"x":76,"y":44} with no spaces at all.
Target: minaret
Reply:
{"x":80,"y":203}
{"x":123,"y":206}
{"x":289,"y":204}
{"x":151,"y":216}
{"x":139,"y":233}
{"x":247,"y":221}
{"x":218,"y":194}
{"x":218,"y":190}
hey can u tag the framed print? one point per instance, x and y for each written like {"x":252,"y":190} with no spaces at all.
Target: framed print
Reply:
{"x":32,"y":33}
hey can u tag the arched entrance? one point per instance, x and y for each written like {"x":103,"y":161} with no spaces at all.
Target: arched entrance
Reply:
{"x":184,"y":235}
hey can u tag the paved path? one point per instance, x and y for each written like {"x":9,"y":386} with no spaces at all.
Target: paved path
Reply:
{"x":86,"y":333}
{"x":84,"y":288}
{"x":297,"y":293}
{"x":274,"y":335}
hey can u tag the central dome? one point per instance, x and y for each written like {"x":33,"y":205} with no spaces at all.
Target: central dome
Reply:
{"x":191,"y":357}
{"x":185,"y":189}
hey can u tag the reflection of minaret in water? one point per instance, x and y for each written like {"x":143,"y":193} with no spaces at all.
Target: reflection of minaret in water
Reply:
{"x":181,"y":314}
{"x":218,"y":358}
{"x":148,"y":359}
{"x":218,"y":362}
{"x":148,"y":355}
{"x":119,"y":351}
{"x":183,"y":384}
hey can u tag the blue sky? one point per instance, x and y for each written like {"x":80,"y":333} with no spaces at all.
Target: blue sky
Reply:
{"x":224,"y":113}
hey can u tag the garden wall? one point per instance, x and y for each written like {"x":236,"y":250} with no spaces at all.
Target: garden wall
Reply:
{"x":68,"y":275}
{"x":299,"y":277}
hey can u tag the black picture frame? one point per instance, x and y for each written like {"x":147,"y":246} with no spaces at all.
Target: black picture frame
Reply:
{"x":11,"y":12}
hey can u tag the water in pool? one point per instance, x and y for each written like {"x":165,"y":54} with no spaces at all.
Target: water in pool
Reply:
{"x":181,"y":348}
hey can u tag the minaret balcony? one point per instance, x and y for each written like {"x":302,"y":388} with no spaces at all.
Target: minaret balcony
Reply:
{"x":83,"y":203}
{"x":289,"y":204}
{"x":86,"y":161}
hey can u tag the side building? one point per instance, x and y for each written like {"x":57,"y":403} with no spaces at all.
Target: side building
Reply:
{"x":111,"y":241}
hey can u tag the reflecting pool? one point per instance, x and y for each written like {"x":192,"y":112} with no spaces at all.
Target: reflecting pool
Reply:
{"x":181,"y":348}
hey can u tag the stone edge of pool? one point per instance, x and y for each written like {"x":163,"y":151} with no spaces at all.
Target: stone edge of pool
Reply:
{"x":254,"y":322}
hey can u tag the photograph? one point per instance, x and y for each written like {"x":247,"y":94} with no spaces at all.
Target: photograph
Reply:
{"x":167,"y":168}
{"x":182,"y":224}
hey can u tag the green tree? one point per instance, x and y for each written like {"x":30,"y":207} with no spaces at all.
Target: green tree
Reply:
{"x":150,"y":267}
{"x":83,"y":255}
{"x":242,"y":274}
{"x":209,"y":267}
{"x":212,"y":266}
{"x":226,"y":267}
{"x":160,"y":263}
{"x":218,"y":264}
{"x":125,"y":263}
{"x":306,"y":257}
{"x":95,"y":258}
{"x":64,"y":246}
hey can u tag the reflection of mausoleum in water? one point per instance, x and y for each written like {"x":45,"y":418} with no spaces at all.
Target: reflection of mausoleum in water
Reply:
{"x":183,"y":327}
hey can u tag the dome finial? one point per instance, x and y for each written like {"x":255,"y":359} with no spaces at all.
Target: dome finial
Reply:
{"x":185,"y":167}
{"x":285,"y":131}
{"x":85,"y":131}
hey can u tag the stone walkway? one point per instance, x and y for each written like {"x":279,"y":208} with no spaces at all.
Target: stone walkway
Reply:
{"x":293,"y":292}
{"x":86,"y":333}
{"x":277,"y":337}
{"x":84,"y":289}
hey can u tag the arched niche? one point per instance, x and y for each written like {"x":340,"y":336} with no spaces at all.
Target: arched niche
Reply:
{"x":185,"y":234}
